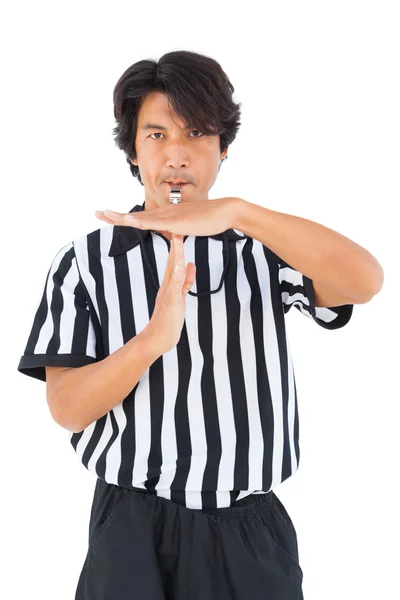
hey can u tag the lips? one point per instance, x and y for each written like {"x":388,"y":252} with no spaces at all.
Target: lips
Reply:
{"x":176,"y":185}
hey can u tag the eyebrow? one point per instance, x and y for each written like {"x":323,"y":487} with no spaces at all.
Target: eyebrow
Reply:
{"x":155,"y":126}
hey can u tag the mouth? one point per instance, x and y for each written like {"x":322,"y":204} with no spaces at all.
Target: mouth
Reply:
{"x":174,"y":185}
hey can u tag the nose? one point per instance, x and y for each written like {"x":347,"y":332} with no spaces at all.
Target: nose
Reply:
{"x":177,"y":163}
{"x":177,"y":155}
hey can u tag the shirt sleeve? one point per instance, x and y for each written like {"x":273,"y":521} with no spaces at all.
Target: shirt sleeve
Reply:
{"x":62,"y":333}
{"x":297,"y":290}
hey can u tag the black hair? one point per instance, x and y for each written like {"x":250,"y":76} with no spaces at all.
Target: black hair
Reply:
{"x":197,"y":88}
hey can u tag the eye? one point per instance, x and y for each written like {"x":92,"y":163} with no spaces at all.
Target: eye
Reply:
{"x":201,"y":134}
{"x":159,"y":133}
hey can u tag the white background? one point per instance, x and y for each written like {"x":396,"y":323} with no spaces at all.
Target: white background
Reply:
{"x":319,"y":86}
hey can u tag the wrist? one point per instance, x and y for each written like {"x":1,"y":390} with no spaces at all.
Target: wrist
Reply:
{"x":149,"y":343}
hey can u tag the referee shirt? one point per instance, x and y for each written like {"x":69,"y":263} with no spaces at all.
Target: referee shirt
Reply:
{"x":214,"y":419}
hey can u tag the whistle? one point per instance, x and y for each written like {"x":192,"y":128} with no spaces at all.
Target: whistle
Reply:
{"x":175,"y":194}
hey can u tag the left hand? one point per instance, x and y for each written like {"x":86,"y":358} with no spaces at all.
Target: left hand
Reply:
{"x":198,"y":217}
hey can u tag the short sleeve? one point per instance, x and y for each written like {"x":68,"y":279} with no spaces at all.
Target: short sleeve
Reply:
{"x":62,"y":333}
{"x":297,"y":290}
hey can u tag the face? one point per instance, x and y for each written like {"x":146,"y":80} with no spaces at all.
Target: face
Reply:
{"x":169,"y":151}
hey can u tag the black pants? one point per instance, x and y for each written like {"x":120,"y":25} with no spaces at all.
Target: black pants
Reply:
{"x":146,"y":547}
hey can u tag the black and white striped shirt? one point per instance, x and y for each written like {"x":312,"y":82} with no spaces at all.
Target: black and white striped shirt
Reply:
{"x":214,"y":419}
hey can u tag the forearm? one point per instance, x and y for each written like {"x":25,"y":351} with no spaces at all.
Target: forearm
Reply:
{"x":314,"y":250}
{"x":87,"y":393}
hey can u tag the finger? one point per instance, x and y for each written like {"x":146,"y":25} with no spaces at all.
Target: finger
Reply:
{"x":176,"y":256}
{"x":190,"y":277}
{"x":113,"y":216}
{"x":170,"y":264}
{"x":116,"y":218}
{"x":179,"y":255}
{"x":100,"y":215}
{"x":179,"y":269}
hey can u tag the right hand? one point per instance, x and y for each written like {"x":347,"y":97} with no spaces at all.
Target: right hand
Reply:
{"x":165,"y":326}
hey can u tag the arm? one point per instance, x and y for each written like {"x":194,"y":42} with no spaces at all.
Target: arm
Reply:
{"x":79,"y":396}
{"x":348,"y":272}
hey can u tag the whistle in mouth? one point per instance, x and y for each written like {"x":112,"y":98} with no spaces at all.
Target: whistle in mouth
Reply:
{"x":175,"y":194}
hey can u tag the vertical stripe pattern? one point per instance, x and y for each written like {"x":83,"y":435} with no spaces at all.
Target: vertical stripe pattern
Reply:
{"x":216,"y":417}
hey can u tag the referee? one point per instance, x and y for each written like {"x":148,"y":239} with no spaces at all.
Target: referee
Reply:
{"x":161,"y":338}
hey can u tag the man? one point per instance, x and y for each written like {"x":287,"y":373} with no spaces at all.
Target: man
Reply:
{"x":181,"y":397}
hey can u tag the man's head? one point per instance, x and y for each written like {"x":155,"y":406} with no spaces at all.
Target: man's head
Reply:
{"x":175,"y":120}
